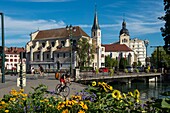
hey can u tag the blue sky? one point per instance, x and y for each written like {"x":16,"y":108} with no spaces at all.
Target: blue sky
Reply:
{"x":25,"y":16}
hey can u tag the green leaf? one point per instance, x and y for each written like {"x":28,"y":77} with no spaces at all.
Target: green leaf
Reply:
{"x":165,"y":103}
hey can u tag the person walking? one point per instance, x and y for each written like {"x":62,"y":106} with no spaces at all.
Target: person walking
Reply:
{"x":41,"y":70}
{"x":32,"y":70}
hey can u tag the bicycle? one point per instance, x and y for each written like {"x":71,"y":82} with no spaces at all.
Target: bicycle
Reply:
{"x":64,"y":90}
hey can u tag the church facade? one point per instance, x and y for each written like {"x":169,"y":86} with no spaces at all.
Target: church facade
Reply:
{"x":52,"y":48}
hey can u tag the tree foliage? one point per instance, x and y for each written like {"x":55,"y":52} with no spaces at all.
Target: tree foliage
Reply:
{"x":110,"y":62}
{"x":160,"y":58}
{"x":123,"y":63}
{"x":85,"y":52}
{"x":166,"y":29}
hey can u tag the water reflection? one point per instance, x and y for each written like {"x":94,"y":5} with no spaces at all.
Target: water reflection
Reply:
{"x":147,"y":90}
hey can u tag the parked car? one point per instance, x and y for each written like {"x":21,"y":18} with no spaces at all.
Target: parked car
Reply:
{"x":130,"y":69}
{"x":103,"y":69}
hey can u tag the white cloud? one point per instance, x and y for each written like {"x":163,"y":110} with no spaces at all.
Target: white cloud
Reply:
{"x":14,"y":26}
{"x":22,"y":28}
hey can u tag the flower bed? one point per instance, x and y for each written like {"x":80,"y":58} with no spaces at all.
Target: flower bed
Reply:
{"x":97,"y":98}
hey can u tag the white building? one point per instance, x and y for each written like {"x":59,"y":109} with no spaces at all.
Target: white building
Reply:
{"x":137,"y":45}
{"x":12,"y":57}
{"x":118,"y":51}
{"x":139,"y":48}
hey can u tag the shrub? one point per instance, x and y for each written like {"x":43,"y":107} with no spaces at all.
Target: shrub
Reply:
{"x":154,"y":70}
{"x":137,"y":70}
{"x":147,"y":70}
{"x":111,"y":72}
{"x":125,"y":70}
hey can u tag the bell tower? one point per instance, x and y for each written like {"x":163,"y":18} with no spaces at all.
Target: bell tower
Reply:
{"x":95,"y":31}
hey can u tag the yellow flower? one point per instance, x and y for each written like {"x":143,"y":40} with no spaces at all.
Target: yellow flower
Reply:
{"x":41,"y":100}
{"x":23,"y":98}
{"x":2,"y":102}
{"x":46,"y":100}
{"x":84,"y":106}
{"x":111,"y":88}
{"x":6,"y":111}
{"x":81,"y":111}
{"x":124,"y":95}
{"x":137,"y":100}
{"x":136,"y":93}
{"x":65,"y":111}
{"x":94,"y":83}
{"x":130,"y":93}
{"x":60,"y":105}
{"x":116,"y":94}
{"x":21,"y":90}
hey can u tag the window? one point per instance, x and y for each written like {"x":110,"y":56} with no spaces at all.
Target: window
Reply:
{"x":7,"y":60}
{"x":57,"y":55}
{"x":63,"y":43}
{"x":74,"y":42}
{"x":15,"y":56}
{"x":102,"y":55}
{"x":94,"y":34}
{"x":64,"y":55}
{"x":47,"y":56}
{"x":11,"y":55}
{"x":11,"y":60}
{"x":53,"y":44}
{"x":43,"y":44}
{"x":38,"y":56}
{"x":15,"y":60}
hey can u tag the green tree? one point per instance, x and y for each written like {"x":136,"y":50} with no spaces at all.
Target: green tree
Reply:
{"x":123,"y":63}
{"x":139,"y":63}
{"x":110,"y":62}
{"x":160,"y":58}
{"x":166,"y":29}
{"x":85,"y":52}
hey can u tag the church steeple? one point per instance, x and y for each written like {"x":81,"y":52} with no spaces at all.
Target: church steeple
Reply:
{"x":95,"y":23}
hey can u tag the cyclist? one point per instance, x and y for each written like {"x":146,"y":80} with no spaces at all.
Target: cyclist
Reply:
{"x":62,"y":81}
{"x":67,"y":75}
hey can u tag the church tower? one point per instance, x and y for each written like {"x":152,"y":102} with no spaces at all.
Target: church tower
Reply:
{"x":95,"y":31}
{"x":96,"y":37}
{"x":124,"y":34}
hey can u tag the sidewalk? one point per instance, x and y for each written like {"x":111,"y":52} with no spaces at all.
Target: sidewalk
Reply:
{"x":49,"y":81}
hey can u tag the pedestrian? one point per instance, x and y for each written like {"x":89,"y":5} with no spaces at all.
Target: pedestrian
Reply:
{"x":41,"y":70}
{"x":32,"y":70}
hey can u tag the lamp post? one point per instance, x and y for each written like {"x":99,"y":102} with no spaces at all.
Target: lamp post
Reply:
{"x":3,"y":52}
{"x":70,"y":30}
{"x":146,"y":42}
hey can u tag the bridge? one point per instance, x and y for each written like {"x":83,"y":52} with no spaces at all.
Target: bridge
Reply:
{"x":124,"y":78}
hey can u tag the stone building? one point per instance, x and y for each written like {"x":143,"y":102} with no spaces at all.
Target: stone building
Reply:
{"x":52,"y":48}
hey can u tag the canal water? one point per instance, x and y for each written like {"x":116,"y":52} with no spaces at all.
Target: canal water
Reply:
{"x":147,"y":90}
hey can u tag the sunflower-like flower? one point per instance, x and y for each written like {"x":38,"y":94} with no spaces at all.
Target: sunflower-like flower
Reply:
{"x":81,"y":111}
{"x":65,"y":111}
{"x":94,"y":83}
{"x":116,"y":94}
{"x":130,"y":93}
{"x":84,"y":106}
{"x":6,"y":111}
{"x":124,"y":95}
{"x":136,"y":93}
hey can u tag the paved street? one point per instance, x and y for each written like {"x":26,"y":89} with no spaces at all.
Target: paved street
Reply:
{"x":50,"y":81}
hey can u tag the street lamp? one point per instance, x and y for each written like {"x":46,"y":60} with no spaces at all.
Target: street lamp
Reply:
{"x":3,"y":52}
{"x":70,"y":30}
{"x":146,"y":42}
